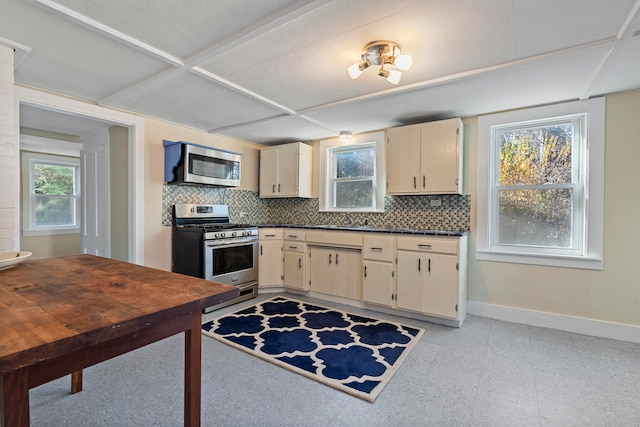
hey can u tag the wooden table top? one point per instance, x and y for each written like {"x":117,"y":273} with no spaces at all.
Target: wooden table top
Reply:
{"x":50,"y":307}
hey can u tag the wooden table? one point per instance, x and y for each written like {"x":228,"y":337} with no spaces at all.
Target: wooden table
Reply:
{"x":61,"y":315}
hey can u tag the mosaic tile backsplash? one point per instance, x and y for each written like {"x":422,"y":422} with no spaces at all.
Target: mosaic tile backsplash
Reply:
{"x":245,"y":207}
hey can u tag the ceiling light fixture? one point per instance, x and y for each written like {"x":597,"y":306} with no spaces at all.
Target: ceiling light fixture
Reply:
{"x":382,"y":52}
{"x":345,"y":135}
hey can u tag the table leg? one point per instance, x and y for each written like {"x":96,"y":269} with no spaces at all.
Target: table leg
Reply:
{"x":76,"y":382}
{"x":193,"y":372}
{"x":14,"y":398}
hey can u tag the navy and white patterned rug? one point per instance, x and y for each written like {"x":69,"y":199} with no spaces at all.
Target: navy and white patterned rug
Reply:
{"x":352,"y":353}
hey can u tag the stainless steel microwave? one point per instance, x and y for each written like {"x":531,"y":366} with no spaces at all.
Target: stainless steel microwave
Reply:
{"x":187,"y":163}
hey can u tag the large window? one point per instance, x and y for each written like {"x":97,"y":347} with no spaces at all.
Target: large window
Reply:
{"x":540,"y":185}
{"x":51,"y":191}
{"x":352,"y":181}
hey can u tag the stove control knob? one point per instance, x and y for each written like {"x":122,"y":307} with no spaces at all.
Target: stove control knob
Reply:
{"x":233,"y":234}
{"x":246,"y":233}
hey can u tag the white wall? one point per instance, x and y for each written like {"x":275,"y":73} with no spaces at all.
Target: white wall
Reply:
{"x":9,"y":166}
{"x":611,"y":295}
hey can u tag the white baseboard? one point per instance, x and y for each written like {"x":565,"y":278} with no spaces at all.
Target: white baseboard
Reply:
{"x":561,"y":322}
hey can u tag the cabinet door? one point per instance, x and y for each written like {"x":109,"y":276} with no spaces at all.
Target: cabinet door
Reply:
{"x":287,"y":185}
{"x":270,"y":263}
{"x":439,"y":154}
{"x":377,"y":283}
{"x":268,"y":172}
{"x":441,"y":295}
{"x":348,"y":275}
{"x":411,"y":281}
{"x":403,"y":160}
{"x":294,"y":263}
{"x":322,"y":270}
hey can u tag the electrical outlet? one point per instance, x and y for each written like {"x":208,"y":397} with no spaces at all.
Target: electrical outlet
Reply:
{"x":435,"y":202}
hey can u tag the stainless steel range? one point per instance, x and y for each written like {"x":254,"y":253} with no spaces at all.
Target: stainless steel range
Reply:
{"x":205,"y":244}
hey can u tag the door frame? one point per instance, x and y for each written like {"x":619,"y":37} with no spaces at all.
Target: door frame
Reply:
{"x":135,"y":126}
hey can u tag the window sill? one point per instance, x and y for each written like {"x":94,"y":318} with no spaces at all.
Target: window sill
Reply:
{"x":30,"y":233}
{"x":356,"y":211}
{"x":586,"y":263}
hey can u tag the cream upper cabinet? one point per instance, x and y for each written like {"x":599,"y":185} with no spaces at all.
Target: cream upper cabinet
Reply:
{"x":403,"y":159}
{"x":270,"y":261}
{"x":425,"y":158}
{"x":285,"y":170}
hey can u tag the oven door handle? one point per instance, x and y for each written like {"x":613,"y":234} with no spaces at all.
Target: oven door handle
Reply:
{"x":229,"y":243}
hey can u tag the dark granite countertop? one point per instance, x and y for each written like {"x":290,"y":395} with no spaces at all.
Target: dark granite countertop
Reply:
{"x":370,"y":229}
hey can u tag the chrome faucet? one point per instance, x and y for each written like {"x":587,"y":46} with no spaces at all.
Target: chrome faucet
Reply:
{"x":349,"y":218}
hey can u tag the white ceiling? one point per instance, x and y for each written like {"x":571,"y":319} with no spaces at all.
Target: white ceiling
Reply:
{"x":275,"y":71}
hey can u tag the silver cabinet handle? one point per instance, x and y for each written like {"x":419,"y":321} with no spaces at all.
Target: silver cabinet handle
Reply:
{"x":299,"y":262}
{"x":274,"y":188}
{"x":336,"y":259}
{"x":269,"y":235}
{"x":419,"y":264}
{"x":293,"y":236}
{"x":365,"y":271}
{"x":424,"y":246}
{"x":278,"y":188}
{"x":429,"y":266}
{"x":424,"y":181}
{"x":260,"y":250}
{"x":414,"y":182}
{"x":375,"y":249}
{"x":329,"y":258}
{"x":292,"y":247}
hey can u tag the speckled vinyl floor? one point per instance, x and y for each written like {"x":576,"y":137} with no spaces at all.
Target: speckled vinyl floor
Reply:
{"x":487,"y":373}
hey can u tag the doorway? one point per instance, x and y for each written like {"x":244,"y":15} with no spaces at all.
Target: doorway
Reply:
{"x":41,"y":107}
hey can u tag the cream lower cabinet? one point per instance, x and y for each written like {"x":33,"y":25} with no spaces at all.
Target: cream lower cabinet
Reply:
{"x":295,"y":260}
{"x":378,"y":275}
{"x":336,"y":271}
{"x":270,"y":261}
{"x":430,"y":276}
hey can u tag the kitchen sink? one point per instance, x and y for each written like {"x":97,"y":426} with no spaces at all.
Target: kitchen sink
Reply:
{"x":348,"y":227}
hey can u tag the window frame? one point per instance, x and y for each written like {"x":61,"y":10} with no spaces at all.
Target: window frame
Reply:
{"x":588,"y":253}
{"x":29,"y":227}
{"x":327,"y":166}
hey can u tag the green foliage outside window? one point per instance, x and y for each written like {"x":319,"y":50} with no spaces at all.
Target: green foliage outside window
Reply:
{"x":55,"y":200}
{"x":539,"y":160}
{"x":353,"y":183}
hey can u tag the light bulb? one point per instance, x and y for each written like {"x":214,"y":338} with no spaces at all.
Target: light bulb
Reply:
{"x":356,"y":69}
{"x":392,"y":76}
{"x":403,"y":62}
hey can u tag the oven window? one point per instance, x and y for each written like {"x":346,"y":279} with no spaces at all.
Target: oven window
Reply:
{"x":231,"y":259}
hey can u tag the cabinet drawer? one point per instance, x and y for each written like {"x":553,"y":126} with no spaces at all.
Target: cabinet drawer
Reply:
{"x":439,"y":245}
{"x":294,"y":246}
{"x":270,"y":233}
{"x":377,"y":248}
{"x":334,"y":238}
{"x":294,"y":234}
